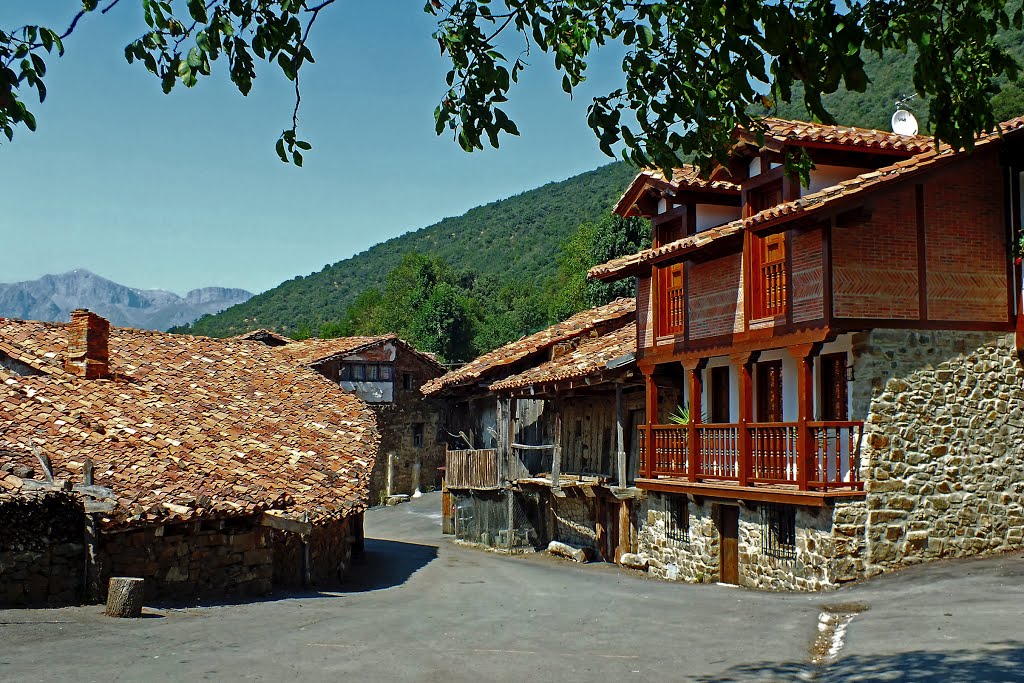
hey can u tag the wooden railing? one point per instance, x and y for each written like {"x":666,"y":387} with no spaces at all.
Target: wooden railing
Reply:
{"x":836,"y":453}
{"x":773,"y":454}
{"x":472,"y":469}
{"x":774,"y":457}
{"x":675,"y":309}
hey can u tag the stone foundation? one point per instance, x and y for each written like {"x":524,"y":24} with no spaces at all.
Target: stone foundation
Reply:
{"x":574,"y":522}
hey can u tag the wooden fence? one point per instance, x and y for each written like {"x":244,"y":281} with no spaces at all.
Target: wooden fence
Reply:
{"x":472,"y":469}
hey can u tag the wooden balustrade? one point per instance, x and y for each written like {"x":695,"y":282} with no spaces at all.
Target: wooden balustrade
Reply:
{"x":772,"y":300}
{"x":774,"y":457}
{"x":719,"y":451}
{"x":472,"y":469}
{"x":773,"y":452}
{"x":837,"y":454}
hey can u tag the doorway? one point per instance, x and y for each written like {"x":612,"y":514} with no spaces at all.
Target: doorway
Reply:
{"x":728,"y":546}
{"x":769,"y":391}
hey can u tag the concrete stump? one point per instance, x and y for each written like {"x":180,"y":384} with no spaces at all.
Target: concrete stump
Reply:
{"x":124,"y":597}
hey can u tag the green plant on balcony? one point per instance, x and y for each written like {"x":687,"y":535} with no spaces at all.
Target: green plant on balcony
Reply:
{"x":680,"y":416}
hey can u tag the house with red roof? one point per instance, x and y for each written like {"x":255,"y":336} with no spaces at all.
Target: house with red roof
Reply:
{"x":845,"y":351}
{"x":207,"y":467}
{"x":387,"y":373}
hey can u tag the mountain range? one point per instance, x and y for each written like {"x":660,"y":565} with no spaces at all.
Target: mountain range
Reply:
{"x":53,"y":297}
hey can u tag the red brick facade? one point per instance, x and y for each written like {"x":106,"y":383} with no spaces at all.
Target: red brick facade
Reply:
{"x":875,"y":261}
{"x":965,"y":242}
{"x":715,"y":296}
{"x":644,"y":316}
{"x":808,"y":291}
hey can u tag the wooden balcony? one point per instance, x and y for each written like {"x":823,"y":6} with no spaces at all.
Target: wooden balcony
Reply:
{"x":472,"y":469}
{"x":762,"y":457}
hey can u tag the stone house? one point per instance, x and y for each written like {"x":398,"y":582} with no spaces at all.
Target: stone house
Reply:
{"x":847,"y":352}
{"x":387,"y":373}
{"x":208,"y":467}
{"x":543,"y":452}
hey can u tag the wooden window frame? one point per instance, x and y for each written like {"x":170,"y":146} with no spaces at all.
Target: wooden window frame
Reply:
{"x":769,"y":276}
{"x":719,"y":377}
{"x":832,"y":373}
{"x":672,"y":299}
{"x":762,"y":387}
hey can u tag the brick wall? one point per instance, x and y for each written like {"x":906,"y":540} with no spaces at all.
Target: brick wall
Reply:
{"x":965,"y":242}
{"x":715,"y":297}
{"x":874,"y":263}
{"x":808,"y":292}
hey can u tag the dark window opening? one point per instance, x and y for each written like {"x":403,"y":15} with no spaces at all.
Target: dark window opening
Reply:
{"x":677,"y":519}
{"x":417,"y":435}
{"x":720,"y":395}
{"x":407,"y":380}
{"x":833,"y":387}
{"x":769,"y":391}
{"x":778,"y":531}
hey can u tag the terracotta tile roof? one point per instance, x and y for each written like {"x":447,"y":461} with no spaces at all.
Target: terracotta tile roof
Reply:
{"x":488,"y":364}
{"x":313,"y":351}
{"x":586,"y":360}
{"x":187,"y":426}
{"x":686,"y":177}
{"x":808,"y":204}
{"x":783,"y":130}
{"x":262,"y":335}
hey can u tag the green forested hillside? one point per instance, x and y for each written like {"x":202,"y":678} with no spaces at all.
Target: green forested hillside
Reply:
{"x":521,"y":235}
{"x":892,"y":79}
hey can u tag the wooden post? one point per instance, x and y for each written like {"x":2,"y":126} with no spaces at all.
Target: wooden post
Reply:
{"x":625,"y":538}
{"x":124,"y":597}
{"x":515,"y":465}
{"x":806,"y":457}
{"x":556,"y":456}
{"x":601,"y":528}
{"x":695,"y":388}
{"x":652,"y":419}
{"x":620,"y":445}
{"x":391,"y":475}
{"x":745,"y":390}
{"x":501,"y":436}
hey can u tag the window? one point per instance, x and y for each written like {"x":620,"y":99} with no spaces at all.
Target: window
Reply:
{"x":764,"y":197}
{"x":386,"y":373}
{"x":778,"y":531}
{"x":417,"y":435}
{"x":366,"y":372}
{"x":407,"y":380}
{"x":345,"y":374}
{"x":673,"y":297}
{"x":372,"y":373}
{"x":720,"y":395}
{"x":769,"y":276}
{"x":677,"y":519}
{"x":833,"y":387}
{"x":769,"y":391}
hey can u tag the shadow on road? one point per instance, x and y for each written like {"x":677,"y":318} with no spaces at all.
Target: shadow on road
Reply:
{"x":388,"y":564}
{"x":997,"y":663}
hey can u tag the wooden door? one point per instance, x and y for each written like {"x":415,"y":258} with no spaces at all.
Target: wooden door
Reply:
{"x":720,"y":395}
{"x":728,"y":547}
{"x":769,"y":391}
{"x":834,"y":398}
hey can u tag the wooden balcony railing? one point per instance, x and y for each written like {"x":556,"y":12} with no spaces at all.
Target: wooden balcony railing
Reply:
{"x":675,"y":309}
{"x":774,"y":457}
{"x":771,"y":299}
{"x":472,"y":469}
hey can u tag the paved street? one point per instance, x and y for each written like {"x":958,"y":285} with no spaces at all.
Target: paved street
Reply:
{"x":424,"y":609}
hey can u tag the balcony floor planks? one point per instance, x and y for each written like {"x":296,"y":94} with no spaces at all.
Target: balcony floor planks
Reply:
{"x":763,"y":494}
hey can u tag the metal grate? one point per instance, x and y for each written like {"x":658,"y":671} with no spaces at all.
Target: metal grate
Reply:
{"x":778,"y":531}
{"x":677,"y":518}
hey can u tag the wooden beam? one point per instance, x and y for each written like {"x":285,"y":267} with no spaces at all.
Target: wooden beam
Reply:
{"x":620,"y":445}
{"x":651,"y":409}
{"x":556,"y":456}
{"x":759,"y":494}
{"x":745,"y":370}
{"x":278,"y":520}
{"x":806,"y":456}
{"x":695,"y":387}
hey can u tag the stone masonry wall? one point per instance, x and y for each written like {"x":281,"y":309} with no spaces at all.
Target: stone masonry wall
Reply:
{"x":943,"y":459}
{"x":575,"y":522}
{"x":694,"y":556}
{"x":42,"y":553}
{"x":230,"y":558}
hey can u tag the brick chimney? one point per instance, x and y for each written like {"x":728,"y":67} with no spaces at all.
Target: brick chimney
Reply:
{"x":87,"y":355}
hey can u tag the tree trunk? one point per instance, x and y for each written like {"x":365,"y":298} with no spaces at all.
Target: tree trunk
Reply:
{"x":124,"y":597}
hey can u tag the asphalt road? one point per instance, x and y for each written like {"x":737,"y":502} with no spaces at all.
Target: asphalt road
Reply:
{"x":424,"y":609}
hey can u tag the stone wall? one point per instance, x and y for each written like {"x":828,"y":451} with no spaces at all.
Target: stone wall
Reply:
{"x":227,"y":558}
{"x":42,"y":552}
{"x":943,"y":459}
{"x":574,"y":521}
{"x":694,"y":556}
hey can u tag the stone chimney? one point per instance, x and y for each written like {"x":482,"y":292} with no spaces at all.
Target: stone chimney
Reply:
{"x":87,"y":355}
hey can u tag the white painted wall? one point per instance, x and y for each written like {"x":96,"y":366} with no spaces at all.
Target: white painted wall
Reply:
{"x":662,"y":206}
{"x":371,"y":392}
{"x":710,"y":215}
{"x":826,"y":176}
{"x":790,"y":399}
{"x":754,"y":168}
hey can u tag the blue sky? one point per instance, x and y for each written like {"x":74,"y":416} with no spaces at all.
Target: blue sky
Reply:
{"x":185,"y":190}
